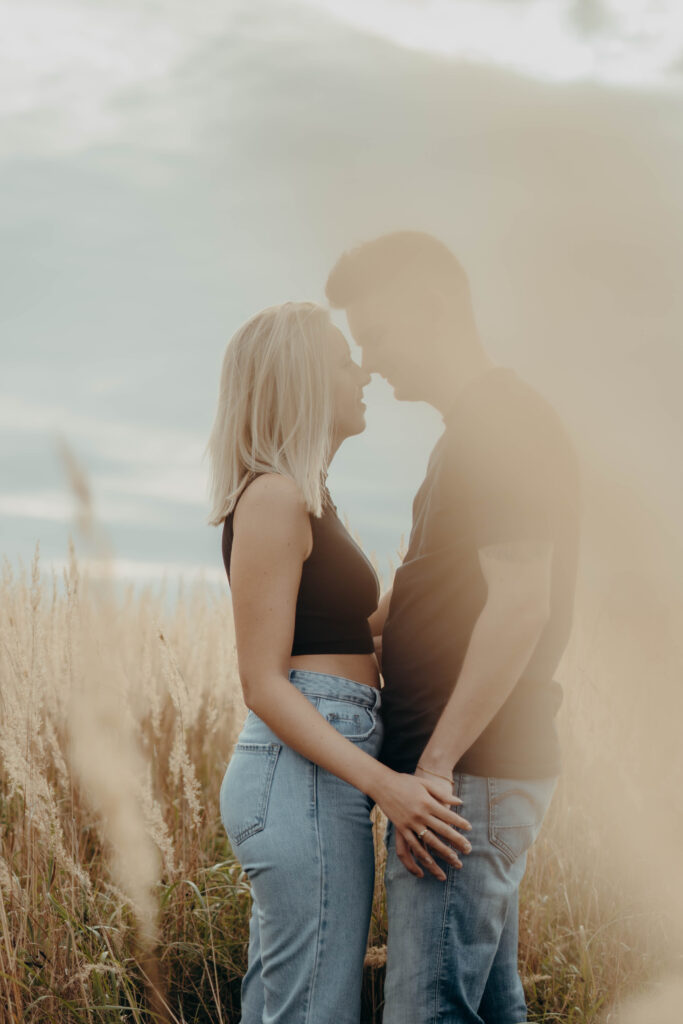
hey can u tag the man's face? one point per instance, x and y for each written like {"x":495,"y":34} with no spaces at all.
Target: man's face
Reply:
{"x":393,"y":339}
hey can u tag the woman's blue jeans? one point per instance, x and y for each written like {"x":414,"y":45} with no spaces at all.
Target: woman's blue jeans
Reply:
{"x":304,"y":838}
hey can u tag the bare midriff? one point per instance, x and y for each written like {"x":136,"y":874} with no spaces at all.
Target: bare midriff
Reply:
{"x":360,"y":668}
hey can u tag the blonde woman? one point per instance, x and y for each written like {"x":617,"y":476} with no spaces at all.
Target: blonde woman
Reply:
{"x":297,"y":793}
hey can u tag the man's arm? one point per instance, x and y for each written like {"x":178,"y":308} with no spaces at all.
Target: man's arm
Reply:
{"x":503,"y":640}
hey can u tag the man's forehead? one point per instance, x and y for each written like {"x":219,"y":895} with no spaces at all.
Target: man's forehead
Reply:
{"x":338,"y":341}
{"x":369,"y":314}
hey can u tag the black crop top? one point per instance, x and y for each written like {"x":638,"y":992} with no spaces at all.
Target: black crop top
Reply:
{"x":339,"y":589}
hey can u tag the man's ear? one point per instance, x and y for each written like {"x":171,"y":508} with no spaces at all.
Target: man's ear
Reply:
{"x":432,"y":309}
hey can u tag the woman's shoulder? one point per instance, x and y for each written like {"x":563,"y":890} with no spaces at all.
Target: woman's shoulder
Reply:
{"x":272,"y":504}
{"x":272,"y":490}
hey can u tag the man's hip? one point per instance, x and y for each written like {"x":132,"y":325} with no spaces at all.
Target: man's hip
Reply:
{"x":452,"y":946}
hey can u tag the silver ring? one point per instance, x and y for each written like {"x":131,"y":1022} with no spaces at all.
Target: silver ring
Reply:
{"x":420,"y":834}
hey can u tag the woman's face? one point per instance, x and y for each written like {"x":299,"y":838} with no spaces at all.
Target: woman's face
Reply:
{"x":348,"y":382}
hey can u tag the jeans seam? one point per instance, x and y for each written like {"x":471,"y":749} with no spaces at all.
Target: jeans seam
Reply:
{"x":440,"y":953}
{"x":359,"y":702}
{"x":447,"y":890}
{"x":314,"y":975}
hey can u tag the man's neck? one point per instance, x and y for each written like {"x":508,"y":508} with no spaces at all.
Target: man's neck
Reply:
{"x":452,"y":379}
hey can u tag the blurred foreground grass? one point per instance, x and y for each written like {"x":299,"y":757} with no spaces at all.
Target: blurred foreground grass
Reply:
{"x":120,"y":898}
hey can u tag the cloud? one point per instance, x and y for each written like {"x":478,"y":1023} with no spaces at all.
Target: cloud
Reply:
{"x":70,"y":70}
{"x":58,"y":506}
{"x":159,"y":466}
{"x":116,"y":440}
{"x":599,"y":40}
{"x":63,"y":62}
{"x":234,"y":179}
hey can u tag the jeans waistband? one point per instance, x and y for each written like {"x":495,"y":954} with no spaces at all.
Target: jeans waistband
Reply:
{"x":320,"y":684}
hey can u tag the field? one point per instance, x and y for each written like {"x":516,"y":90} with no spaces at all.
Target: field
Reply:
{"x":120,"y":898}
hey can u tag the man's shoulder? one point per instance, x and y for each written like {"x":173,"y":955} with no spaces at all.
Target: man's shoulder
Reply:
{"x":503,"y":398}
{"x":507,"y":416}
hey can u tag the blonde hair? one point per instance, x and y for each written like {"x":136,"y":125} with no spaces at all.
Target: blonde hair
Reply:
{"x":275,"y":407}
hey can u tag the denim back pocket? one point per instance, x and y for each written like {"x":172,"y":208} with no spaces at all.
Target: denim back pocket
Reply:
{"x":355,"y":721}
{"x":516,"y":812}
{"x":246,"y":789}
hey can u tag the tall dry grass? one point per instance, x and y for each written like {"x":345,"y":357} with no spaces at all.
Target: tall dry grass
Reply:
{"x":117,"y":720}
{"x":120,"y":898}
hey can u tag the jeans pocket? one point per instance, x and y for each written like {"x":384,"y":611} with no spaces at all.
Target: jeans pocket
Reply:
{"x":355,"y":721}
{"x":246,"y":789}
{"x":516,"y":811}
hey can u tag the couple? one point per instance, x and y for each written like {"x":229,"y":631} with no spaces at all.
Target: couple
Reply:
{"x":463,"y":757}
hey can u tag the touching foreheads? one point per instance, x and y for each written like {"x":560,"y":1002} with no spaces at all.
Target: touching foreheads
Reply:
{"x":409,"y":259}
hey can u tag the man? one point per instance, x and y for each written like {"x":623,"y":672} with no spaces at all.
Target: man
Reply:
{"x":472,"y":630}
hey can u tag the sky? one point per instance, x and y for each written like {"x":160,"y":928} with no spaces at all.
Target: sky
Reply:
{"x":169,"y":168}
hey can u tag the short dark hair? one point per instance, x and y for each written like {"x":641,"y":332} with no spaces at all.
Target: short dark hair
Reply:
{"x":375,"y":264}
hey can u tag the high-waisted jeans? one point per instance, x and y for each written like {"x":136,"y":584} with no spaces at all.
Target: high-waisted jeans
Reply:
{"x":304,"y":838}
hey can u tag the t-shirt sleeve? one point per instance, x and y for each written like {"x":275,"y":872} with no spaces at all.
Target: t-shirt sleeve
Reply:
{"x":511,"y":473}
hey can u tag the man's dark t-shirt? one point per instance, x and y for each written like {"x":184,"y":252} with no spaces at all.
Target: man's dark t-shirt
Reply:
{"x":503,"y":471}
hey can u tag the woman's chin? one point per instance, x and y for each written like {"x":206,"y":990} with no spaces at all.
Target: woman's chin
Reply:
{"x":357,"y":426}
{"x":351,"y":426}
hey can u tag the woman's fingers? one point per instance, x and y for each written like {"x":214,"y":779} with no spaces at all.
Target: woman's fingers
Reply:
{"x":411,"y":851}
{"x":445,"y":823}
{"x":445,"y":814}
{"x":432,"y":832}
{"x":413,"y":808}
{"x":405,"y":856}
{"x":450,"y":835}
{"x":437,"y":847}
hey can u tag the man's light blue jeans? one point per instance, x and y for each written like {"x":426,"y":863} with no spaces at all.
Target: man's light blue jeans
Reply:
{"x":304,"y":838}
{"x":452,"y":946}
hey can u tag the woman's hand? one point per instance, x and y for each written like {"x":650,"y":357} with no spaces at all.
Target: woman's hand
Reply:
{"x":421,"y":813}
{"x":377,"y":641}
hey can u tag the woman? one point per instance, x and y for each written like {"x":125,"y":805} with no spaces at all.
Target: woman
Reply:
{"x":297,"y":794}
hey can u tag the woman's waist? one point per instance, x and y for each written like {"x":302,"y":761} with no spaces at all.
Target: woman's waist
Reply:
{"x":358,"y":669}
{"x":323,"y":690}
